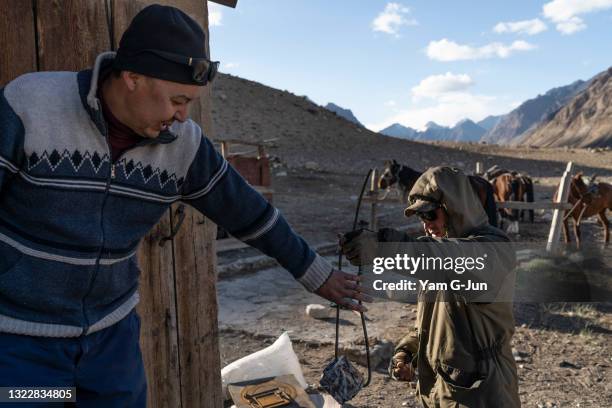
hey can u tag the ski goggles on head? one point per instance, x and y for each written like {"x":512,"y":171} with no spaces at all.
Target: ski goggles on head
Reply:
{"x":203,"y":70}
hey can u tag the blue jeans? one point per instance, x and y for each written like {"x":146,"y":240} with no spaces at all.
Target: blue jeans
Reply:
{"x":105,"y":367}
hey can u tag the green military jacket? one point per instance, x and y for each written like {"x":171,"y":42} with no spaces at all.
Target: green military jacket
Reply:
{"x":462,"y":350}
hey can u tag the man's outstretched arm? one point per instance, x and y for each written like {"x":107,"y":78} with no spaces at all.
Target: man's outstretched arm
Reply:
{"x":214,"y":188}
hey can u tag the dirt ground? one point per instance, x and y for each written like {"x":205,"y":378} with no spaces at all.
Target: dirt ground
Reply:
{"x":563,"y":351}
{"x":563,"y":358}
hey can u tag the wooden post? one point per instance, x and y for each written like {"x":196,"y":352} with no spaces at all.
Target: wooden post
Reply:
{"x":18,"y":39}
{"x":374,"y":193}
{"x":157,"y":308}
{"x":555,"y":227}
{"x":71,"y":33}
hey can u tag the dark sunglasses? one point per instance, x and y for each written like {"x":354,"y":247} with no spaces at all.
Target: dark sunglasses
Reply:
{"x":427,"y":215}
{"x":203,"y":70}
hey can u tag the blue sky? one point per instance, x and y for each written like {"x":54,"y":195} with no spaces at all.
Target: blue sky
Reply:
{"x":414,"y":61}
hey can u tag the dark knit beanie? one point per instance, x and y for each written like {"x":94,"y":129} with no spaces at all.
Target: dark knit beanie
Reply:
{"x":165,"y":29}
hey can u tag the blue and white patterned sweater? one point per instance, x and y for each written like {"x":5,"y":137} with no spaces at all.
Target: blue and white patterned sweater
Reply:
{"x":71,"y":220}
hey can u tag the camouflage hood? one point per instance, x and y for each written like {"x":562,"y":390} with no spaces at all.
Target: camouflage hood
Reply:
{"x":450,"y":188}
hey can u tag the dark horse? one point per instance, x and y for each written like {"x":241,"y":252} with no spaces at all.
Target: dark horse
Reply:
{"x":511,"y":185}
{"x":405,"y":177}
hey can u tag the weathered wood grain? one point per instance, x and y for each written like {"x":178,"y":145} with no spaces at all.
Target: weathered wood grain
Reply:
{"x":17,"y":39}
{"x":157,"y":308}
{"x":71,"y":33}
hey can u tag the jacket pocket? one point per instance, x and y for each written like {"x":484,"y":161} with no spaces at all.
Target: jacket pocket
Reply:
{"x":459,"y":388}
{"x":458,"y":378}
{"x":36,"y":289}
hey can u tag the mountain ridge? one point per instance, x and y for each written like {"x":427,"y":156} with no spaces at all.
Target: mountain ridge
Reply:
{"x":584,"y":121}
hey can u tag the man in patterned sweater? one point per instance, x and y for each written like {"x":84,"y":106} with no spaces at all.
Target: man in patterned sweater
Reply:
{"x":89,"y":162}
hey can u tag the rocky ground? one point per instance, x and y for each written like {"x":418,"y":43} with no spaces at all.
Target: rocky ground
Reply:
{"x":563,"y":351}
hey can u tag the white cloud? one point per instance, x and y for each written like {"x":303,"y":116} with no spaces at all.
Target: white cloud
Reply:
{"x":571,"y":26}
{"x":446,"y":50}
{"x":529,"y":27}
{"x":565,"y":13}
{"x":230,"y":65}
{"x":445,"y":100}
{"x":390,"y":103}
{"x":214,"y":15}
{"x":392,"y":18}
{"x":435,"y":86}
{"x":448,"y":110}
{"x":562,"y":10}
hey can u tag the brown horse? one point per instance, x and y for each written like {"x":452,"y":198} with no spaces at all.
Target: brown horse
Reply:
{"x":587,"y":200}
{"x":516,"y":187}
{"x":405,"y":177}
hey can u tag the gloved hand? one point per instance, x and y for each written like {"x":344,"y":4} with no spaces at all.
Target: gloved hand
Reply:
{"x":400,"y":367}
{"x":359,"y":246}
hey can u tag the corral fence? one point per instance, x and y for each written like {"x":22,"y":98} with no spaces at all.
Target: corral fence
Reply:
{"x":376,"y":200}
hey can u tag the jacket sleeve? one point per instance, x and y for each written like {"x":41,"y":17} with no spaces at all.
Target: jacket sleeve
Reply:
{"x":214,"y":188}
{"x":11,"y":141}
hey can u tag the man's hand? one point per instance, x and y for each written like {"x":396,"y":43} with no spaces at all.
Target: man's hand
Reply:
{"x":359,"y":246}
{"x":401,"y":368}
{"x":341,"y":288}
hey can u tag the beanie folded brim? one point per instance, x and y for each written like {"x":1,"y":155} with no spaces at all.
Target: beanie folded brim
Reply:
{"x":155,"y":66}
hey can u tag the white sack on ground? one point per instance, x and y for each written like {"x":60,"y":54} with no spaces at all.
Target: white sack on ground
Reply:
{"x":276,"y":359}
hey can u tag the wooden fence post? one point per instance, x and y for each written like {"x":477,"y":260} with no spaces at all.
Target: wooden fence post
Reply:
{"x":374,"y":193}
{"x":555,"y":227}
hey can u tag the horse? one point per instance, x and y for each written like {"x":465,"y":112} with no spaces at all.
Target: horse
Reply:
{"x":511,"y":185}
{"x":588,"y":200}
{"x":494,"y":171}
{"x":524,"y":192}
{"x":405,"y":177}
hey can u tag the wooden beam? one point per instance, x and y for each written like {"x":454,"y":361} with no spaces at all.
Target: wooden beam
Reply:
{"x":243,"y":142}
{"x":228,"y":3}
{"x":196,"y":288}
{"x":157,"y":308}
{"x":536,"y":205}
{"x":555,"y":227}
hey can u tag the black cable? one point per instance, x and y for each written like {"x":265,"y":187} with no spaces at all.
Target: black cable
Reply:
{"x":363,"y":321}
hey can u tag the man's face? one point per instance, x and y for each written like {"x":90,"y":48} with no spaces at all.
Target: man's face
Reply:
{"x":153,"y":104}
{"x":437,"y":227}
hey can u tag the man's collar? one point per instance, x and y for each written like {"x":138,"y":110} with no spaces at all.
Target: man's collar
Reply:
{"x":102,"y":61}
